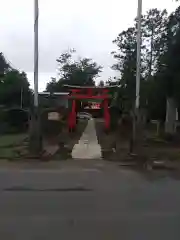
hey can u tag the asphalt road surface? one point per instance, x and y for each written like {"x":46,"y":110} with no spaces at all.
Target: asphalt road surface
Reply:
{"x":94,"y":200}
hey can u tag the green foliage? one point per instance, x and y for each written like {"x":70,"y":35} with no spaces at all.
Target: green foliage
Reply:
{"x":160,"y":65}
{"x":126,"y":62}
{"x":80,"y":72}
{"x":17,"y":120}
{"x":14,"y":86}
{"x":153,"y":39}
{"x":13,"y":120}
{"x":101,"y":84}
{"x":14,"y":95}
{"x":4,"y":66}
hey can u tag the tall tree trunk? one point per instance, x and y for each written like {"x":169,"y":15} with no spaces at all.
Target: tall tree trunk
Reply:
{"x":171,"y":111}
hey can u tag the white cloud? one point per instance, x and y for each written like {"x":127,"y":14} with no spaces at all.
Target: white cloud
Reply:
{"x":89,"y":26}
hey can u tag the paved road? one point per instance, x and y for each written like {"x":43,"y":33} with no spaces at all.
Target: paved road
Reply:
{"x":87,"y":201}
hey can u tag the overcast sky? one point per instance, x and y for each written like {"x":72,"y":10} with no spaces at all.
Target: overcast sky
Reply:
{"x":89,"y":26}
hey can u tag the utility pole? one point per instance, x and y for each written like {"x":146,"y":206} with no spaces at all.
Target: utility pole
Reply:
{"x":36,"y":51}
{"x":136,"y":115}
{"x":138,"y":61}
{"x":35,"y":139}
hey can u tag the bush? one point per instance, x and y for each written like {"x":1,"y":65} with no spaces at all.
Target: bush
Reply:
{"x":13,"y":120}
{"x":17,"y":119}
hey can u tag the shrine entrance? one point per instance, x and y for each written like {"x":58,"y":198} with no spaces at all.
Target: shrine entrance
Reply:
{"x":87,"y":93}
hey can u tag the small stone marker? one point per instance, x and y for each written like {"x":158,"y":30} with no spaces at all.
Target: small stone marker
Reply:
{"x":53,"y":116}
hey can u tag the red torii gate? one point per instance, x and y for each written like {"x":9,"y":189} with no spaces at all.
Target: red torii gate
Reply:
{"x":86,"y":92}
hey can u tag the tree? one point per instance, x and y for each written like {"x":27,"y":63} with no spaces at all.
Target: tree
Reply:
{"x":169,"y":69}
{"x":54,"y":86}
{"x":153,"y":36}
{"x":80,"y":72}
{"x":126,"y":64}
{"x":101,"y":84}
{"x":14,"y":88}
{"x":159,"y":34}
{"x":154,"y":24}
{"x":4,"y":66}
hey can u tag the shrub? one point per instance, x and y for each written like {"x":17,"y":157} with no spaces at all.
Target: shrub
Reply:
{"x":13,"y":120}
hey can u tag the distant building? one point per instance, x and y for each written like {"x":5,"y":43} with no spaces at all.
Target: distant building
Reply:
{"x":56,"y":99}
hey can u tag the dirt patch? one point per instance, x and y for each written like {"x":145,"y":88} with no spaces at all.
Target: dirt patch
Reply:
{"x":116,"y":146}
{"x":13,"y":146}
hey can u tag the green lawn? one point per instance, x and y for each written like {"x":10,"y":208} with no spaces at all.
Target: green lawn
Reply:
{"x":11,"y":139}
{"x":8,"y":144}
{"x":8,"y":153}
